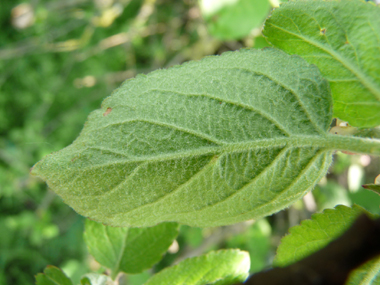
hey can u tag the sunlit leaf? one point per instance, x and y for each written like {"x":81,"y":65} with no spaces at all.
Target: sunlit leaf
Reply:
{"x":314,"y":234}
{"x":52,"y":276}
{"x":130,"y":250}
{"x":208,"y":143}
{"x":234,"y":19}
{"x":217,"y":267}
{"x":343,"y":39}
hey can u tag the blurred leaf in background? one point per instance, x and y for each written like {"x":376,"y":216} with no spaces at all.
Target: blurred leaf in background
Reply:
{"x":234,"y":19}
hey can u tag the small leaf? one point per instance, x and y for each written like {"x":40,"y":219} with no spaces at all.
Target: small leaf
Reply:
{"x":367,"y":274}
{"x":374,"y":187}
{"x":52,"y":276}
{"x":314,"y":234}
{"x":96,"y":279}
{"x":209,"y":143}
{"x":130,"y":250}
{"x":342,"y":39}
{"x":228,"y":20}
{"x":217,"y":267}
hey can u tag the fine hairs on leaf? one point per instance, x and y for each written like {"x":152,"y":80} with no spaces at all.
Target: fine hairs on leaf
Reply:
{"x":208,"y":143}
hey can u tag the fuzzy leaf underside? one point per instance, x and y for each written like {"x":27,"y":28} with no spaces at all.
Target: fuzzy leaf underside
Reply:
{"x":207,"y":143}
{"x":312,"y":235}
{"x":343,"y":39}
{"x":130,"y":250}
{"x":221,"y":267}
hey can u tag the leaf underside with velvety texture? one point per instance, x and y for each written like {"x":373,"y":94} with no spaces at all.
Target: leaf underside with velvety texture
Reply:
{"x":343,"y":39}
{"x":208,"y":143}
{"x":220,"y":267}
{"x":130,"y":250}
{"x":312,"y":235}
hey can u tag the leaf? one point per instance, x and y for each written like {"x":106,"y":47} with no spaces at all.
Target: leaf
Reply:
{"x":314,"y":234}
{"x":374,"y":187}
{"x":217,"y":267}
{"x":96,"y":279}
{"x":234,"y":19}
{"x":226,"y":139}
{"x":367,"y":274}
{"x":343,"y":39}
{"x":52,"y":276}
{"x":130,"y":250}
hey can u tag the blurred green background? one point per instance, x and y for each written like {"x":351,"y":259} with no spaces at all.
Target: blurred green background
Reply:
{"x":58,"y":61}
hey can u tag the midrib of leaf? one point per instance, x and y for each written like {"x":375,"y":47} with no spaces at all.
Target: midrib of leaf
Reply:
{"x":55,"y":282}
{"x":344,"y":61}
{"x":116,"y":269}
{"x":328,"y":142}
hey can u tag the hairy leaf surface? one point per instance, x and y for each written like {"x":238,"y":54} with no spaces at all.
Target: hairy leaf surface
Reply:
{"x":343,"y":39}
{"x":312,"y":235}
{"x":208,"y":143}
{"x":221,"y":267}
{"x":130,"y":250}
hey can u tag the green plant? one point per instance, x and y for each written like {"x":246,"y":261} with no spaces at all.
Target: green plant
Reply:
{"x":224,"y":140}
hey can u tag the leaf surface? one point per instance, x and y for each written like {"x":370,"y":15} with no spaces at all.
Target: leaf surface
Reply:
{"x":130,"y":250}
{"x":208,"y":143}
{"x":217,"y":267}
{"x":343,"y":39}
{"x":312,"y":235}
{"x":52,"y":276}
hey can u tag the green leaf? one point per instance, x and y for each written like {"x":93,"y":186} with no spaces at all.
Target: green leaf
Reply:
{"x":96,"y":279}
{"x":130,"y":250}
{"x":214,"y":142}
{"x":217,"y":267}
{"x":367,"y":274}
{"x":234,"y":19}
{"x":343,"y":39}
{"x":374,"y":187}
{"x":314,"y":234}
{"x":52,"y":276}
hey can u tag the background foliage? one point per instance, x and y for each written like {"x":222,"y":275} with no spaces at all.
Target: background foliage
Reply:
{"x":58,"y":60}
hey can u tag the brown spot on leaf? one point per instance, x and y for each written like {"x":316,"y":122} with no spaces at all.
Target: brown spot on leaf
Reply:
{"x":107,"y":111}
{"x":323,"y":31}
